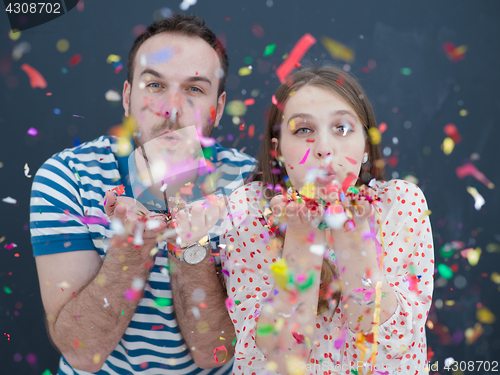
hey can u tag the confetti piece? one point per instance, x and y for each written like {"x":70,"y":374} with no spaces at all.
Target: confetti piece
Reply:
{"x":338,"y":50}
{"x":7,"y":290}
{"x":340,"y":340}
{"x":36,"y":79}
{"x":14,"y":34}
{"x":451,"y":131}
{"x":257,"y":30}
{"x":445,"y":271}
{"x":244,"y":71}
{"x":382,"y":127}
{"x":8,"y":336}
{"x":448,"y":146}
{"x":472,"y":334}
{"x":280,"y":272}
{"x":275,"y":102}
{"x":454,"y":53}
{"x":405,"y":71}
{"x":10,"y":246}
{"x":236,"y":108}
{"x":296,"y":54}
{"x":490,"y":248}
{"x":32,"y":131}
{"x":220,"y":348}
{"x":157,"y":327}
{"x":229,"y":303}
{"x":158,"y":57}
{"x":250,"y":101}
{"x":305,"y":156}
{"x":472,"y":255}
{"x":163,"y":302}
{"x":470,"y":169}
{"x":113,"y":58}
{"x":97,"y":358}
{"x":251,"y":131}
{"x":9,"y":200}
{"x":348,"y":180}
{"x":478,"y":198}
{"x":75,"y":60}
{"x":485,"y":316}
{"x":265,"y":329}
{"x":352,"y":161}
{"x":112,"y":96}
{"x":495,"y":277}
{"x":119,"y":190}
{"x":269,"y":50}
{"x":62,"y":45}
{"x":375,"y":136}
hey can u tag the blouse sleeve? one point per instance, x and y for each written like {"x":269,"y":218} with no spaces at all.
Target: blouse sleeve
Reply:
{"x":409,"y":270}
{"x":246,"y":256}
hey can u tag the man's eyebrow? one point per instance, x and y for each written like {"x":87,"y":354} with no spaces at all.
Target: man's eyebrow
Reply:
{"x":152,"y":72}
{"x":199,"y":79}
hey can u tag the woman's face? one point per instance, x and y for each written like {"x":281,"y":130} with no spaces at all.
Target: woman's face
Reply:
{"x":318,"y":120}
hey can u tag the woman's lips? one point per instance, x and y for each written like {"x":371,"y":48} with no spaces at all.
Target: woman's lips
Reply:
{"x":324,"y":180}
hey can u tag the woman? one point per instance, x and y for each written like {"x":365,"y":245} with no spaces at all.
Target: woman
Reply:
{"x":312,"y":295}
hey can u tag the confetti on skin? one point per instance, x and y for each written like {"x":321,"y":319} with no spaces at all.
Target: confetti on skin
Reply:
{"x":229,"y":301}
{"x":338,"y":50}
{"x":294,"y":57}
{"x":451,"y":131}
{"x":9,"y":200}
{"x":348,"y":180}
{"x":97,"y":358}
{"x":478,"y":198}
{"x":448,"y":146}
{"x":470,"y":169}
{"x":305,"y":156}
{"x":157,"y":57}
{"x":352,"y":161}
{"x":454,"y":53}
{"x":220,"y":348}
{"x":36,"y":79}
{"x":75,"y":60}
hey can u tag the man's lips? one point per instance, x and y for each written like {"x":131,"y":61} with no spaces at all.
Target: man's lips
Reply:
{"x":170,"y":134}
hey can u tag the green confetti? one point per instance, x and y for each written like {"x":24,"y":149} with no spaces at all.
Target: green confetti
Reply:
{"x":7,"y":290}
{"x":322,"y":226}
{"x":47,"y":372}
{"x":445,"y":271}
{"x":237,"y":302}
{"x":354,"y":372}
{"x":307,"y":283}
{"x":162,"y":302}
{"x":446,"y":251}
{"x":209,"y":153}
{"x":123,"y":313}
{"x":265,"y":329}
{"x":234,"y":341}
{"x":353,"y":189}
{"x":78,"y":175}
{"x":269,"y":50}
{"x":406,"y":71}
{"x":248,"y":60}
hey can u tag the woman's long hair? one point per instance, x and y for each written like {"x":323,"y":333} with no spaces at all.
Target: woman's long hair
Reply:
{"x":347,"y":87}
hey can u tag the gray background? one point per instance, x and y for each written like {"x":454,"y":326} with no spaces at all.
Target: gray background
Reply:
{"x":394,"y":34}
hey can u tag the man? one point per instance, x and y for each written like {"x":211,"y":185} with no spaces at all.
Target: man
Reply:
{"x":122,"y":306}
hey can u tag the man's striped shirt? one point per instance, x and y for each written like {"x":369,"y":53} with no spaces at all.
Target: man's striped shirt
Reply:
{"x":67,"y":214}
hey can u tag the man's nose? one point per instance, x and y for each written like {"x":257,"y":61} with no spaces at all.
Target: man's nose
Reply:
{"x":174,"y":104}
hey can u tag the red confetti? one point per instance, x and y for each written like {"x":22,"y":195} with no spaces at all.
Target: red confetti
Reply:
{"x":75,"y":60}
{"x":454,"y":53}
{"x":275,"y":102}
{"x":251,"y":131}
{"x":213,"y":112}
{"x":352,"y":161}
{"x":393,"y":161}
{"x":257,"y":30}
{"x":36,"y":79}
{"x":300,"y":338}
{"x":119,"y":190}
{"x":220,"y":348}
{"x":154,"y":328}
{"x":296,"y":54}
{"x":250,"y":101}
{"x":347,"y":182}
{"x":382,"y":127}
{"x":8,"y":336}
{"x":451,"y":131}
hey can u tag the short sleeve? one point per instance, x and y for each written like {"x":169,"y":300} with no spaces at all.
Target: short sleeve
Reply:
{"x":409,"y":269}
{"x":55,"y":207}
{"x":246,"y":256}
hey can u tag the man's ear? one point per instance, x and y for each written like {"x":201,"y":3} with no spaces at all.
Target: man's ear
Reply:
{"x":126,"y":97}
{"x":221,"y":103}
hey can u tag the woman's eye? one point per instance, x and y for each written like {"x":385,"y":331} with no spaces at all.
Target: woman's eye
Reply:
{"x":299,"y":131}
{"x":344,"y":128}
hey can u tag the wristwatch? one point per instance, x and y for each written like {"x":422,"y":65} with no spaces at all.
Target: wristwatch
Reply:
{"x":192,"y":254}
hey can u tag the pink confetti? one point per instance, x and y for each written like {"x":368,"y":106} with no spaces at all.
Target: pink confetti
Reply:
{"x":36,"y":79}
{"x":341,"y":340}
{"x":347,"y":182}
{"x":382,"y":127}
{"x":470,"y":169}
{"x":220,"y":348}
{"x":10,"y":246}
{"x":250,"y":101}
{"x":276,"y":103}
{"x":32,"y":131}
{"x":229,"y":303}
{"x":305,"y":156}
{"x":352,"y":161}
{"x":296,"y":54}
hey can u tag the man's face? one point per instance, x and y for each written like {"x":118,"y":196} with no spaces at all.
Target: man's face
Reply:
{"x":175,"y":85}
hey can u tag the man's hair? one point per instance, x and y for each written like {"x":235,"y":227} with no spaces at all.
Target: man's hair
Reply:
{"x":187,"y":25}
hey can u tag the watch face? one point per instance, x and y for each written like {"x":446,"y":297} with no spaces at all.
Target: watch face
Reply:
{"x":195,"y":254}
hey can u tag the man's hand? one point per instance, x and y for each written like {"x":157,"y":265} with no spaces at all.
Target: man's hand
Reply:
{"x":195,"y":220}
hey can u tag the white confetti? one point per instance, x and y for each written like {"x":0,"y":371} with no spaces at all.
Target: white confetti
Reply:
{"x":117,"y":227}
{"x":137,"y":284}
{"x":186,"y":4}
{"x":336,"y":221}
{"x":163,"y":187}
{"x":9,"y":200}
{"x":318,"y":249}
{"x":152,"y":224}
{"x":138,"y":240}
{"x":27,"y":170}
{"x":106,"y":303}
{"x":112,"y":96}
{"x":448,"y":362}
{"x":478,"y":198}
{"x":196,"y":312}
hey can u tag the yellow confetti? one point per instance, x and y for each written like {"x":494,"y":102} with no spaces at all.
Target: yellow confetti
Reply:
{"x":448,"y":146}
{"x":425,"y":213}
{"x":221,"y":338}
{"x":429,"y":324}
{"x":62,"y":45}
{"x":472,"y":334}
{"x":495,"y":277}
{"x":97,"y":358}
{"x":375,"y":136}
{"x":14,"y":34}
{"x":124,"y":146}
{"x":245,"y":71}
{"x":292,"y":124}
{"x":280,"y":272}
{"x":113,"y":58}
{"x":272,"y":366}
{"x":449,"y":302}
{"x":473,"y":256}
{"x":308,"y":190}
{"x":100,"y":280}
{"x":236,"y":108}
{"x":493,"y":248}
{"x":27,"y":170}
{"x":463,"y":112}
{"x":124,"y":268}
{"x":202,"y":327}
{"x":478,"y":198}
{"x":338,"y":50}
{"x":485,"y":316}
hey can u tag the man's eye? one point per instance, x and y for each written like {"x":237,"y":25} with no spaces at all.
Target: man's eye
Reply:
{"x":195,"y":89}
{"x":299,"y":131}
{"x":154,"y":83}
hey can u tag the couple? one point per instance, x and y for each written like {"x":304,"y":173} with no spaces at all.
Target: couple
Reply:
{"x":301,"y":290}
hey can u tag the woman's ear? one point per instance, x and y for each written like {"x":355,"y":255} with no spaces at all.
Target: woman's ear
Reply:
{"x":275,"y":142}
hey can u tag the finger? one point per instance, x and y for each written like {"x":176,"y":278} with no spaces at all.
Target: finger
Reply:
{"x":198,"y":217}
{"x":109,"y":202}
{"x":277,"y":203}
{"x":183,"y":227}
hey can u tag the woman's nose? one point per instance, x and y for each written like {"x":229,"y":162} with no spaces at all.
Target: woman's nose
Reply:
{"x":323,"y":147}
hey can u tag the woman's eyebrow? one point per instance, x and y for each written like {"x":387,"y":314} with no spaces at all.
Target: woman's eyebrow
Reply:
{"x":342,"y":112}
{"x":302,"y":115}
